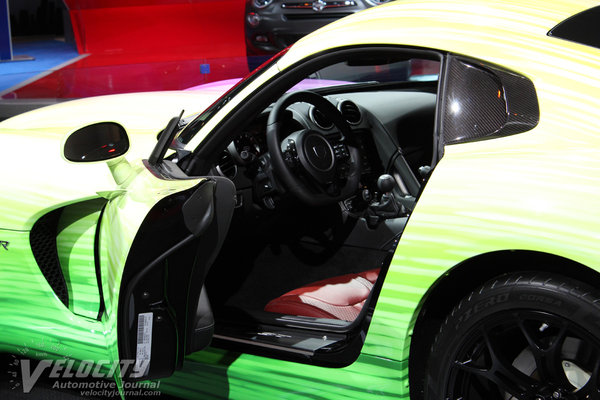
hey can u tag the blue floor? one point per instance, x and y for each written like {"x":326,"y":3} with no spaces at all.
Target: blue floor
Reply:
{"x":48,"y":54}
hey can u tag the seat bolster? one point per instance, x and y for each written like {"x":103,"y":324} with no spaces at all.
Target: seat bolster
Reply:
{"x":340,"y":297}
{"x":293,"y":305}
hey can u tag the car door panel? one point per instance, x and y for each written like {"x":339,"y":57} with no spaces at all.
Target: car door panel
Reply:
{"x":154,"y":253}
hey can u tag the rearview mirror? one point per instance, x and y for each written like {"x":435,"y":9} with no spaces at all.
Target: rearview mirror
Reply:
{"x":97,"y":142}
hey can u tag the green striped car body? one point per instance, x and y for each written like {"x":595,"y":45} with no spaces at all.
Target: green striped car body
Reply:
{"x":536,"y":191}
{"x":33,"y":320}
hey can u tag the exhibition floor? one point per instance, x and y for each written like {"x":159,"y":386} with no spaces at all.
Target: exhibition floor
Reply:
{"x":57,"y":73}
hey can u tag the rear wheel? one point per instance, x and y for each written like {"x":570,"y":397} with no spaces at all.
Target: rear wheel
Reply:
{"x":521,"y":336}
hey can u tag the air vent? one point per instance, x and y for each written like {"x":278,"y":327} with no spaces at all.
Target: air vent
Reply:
{"x":43,"y":245}
{"x":320,"y":119}
{"x":350,"y":111}
{"x":226,"y":166}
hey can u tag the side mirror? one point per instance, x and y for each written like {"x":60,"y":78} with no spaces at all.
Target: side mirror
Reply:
{"x":97,"y":142}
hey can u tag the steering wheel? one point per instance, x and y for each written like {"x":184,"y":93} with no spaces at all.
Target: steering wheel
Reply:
{"x":315,"y":168}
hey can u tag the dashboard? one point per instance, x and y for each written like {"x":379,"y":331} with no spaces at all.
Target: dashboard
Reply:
{"x":382,"y":126}
{"x":252,"y":143}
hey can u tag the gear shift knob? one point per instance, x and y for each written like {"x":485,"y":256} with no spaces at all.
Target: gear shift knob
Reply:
{"x":387,"y":207}
{"x":385,"y":183}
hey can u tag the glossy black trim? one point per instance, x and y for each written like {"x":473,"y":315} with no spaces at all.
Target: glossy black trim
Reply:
{"x":164,"y":140}
{"x":582,"y":28}
{"x":97,"y":264}
{"x":102,"y":141}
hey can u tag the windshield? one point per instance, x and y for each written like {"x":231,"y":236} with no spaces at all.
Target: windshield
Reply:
{"x":359,"y":70}
{"x":198,"y":121}
{"x":369,"y":70}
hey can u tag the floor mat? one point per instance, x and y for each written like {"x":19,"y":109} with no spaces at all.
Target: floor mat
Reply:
{"x":280,"y":268}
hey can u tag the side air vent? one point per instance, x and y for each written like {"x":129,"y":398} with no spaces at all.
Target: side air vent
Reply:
{"x":226,"y":166}
{"x":350,"y":111}
{"x":319,"y":118}
{"x":43,"y":246}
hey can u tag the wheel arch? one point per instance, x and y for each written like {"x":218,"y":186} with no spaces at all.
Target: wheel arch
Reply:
{"x":465,"y":277}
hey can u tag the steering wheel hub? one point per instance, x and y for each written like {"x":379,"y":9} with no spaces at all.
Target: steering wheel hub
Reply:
{"x":332,"y":171}
{"x":318,"y":152}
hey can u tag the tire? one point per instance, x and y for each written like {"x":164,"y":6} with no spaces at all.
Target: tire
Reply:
{"x":521,"y":336}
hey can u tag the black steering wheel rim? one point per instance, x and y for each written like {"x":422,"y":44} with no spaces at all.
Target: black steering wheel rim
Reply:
{"x":290,"y":180}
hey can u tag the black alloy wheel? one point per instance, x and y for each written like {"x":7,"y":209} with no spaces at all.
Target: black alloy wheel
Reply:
{"x":521,"y":336}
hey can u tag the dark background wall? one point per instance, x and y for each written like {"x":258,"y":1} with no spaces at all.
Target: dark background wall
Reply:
{"x":37,"y":17}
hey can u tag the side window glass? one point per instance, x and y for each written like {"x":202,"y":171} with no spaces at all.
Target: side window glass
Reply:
{"x":370,"y":70}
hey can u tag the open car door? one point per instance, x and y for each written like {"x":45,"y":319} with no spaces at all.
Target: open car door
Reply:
{"x":158,"y":235}
{"x":163,"y":310}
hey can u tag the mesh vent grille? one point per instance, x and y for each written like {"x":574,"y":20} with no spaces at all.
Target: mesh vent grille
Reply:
{"x":43,"y":245}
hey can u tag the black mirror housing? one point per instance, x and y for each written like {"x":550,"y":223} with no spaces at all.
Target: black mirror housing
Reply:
{"x":102,"y":141}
